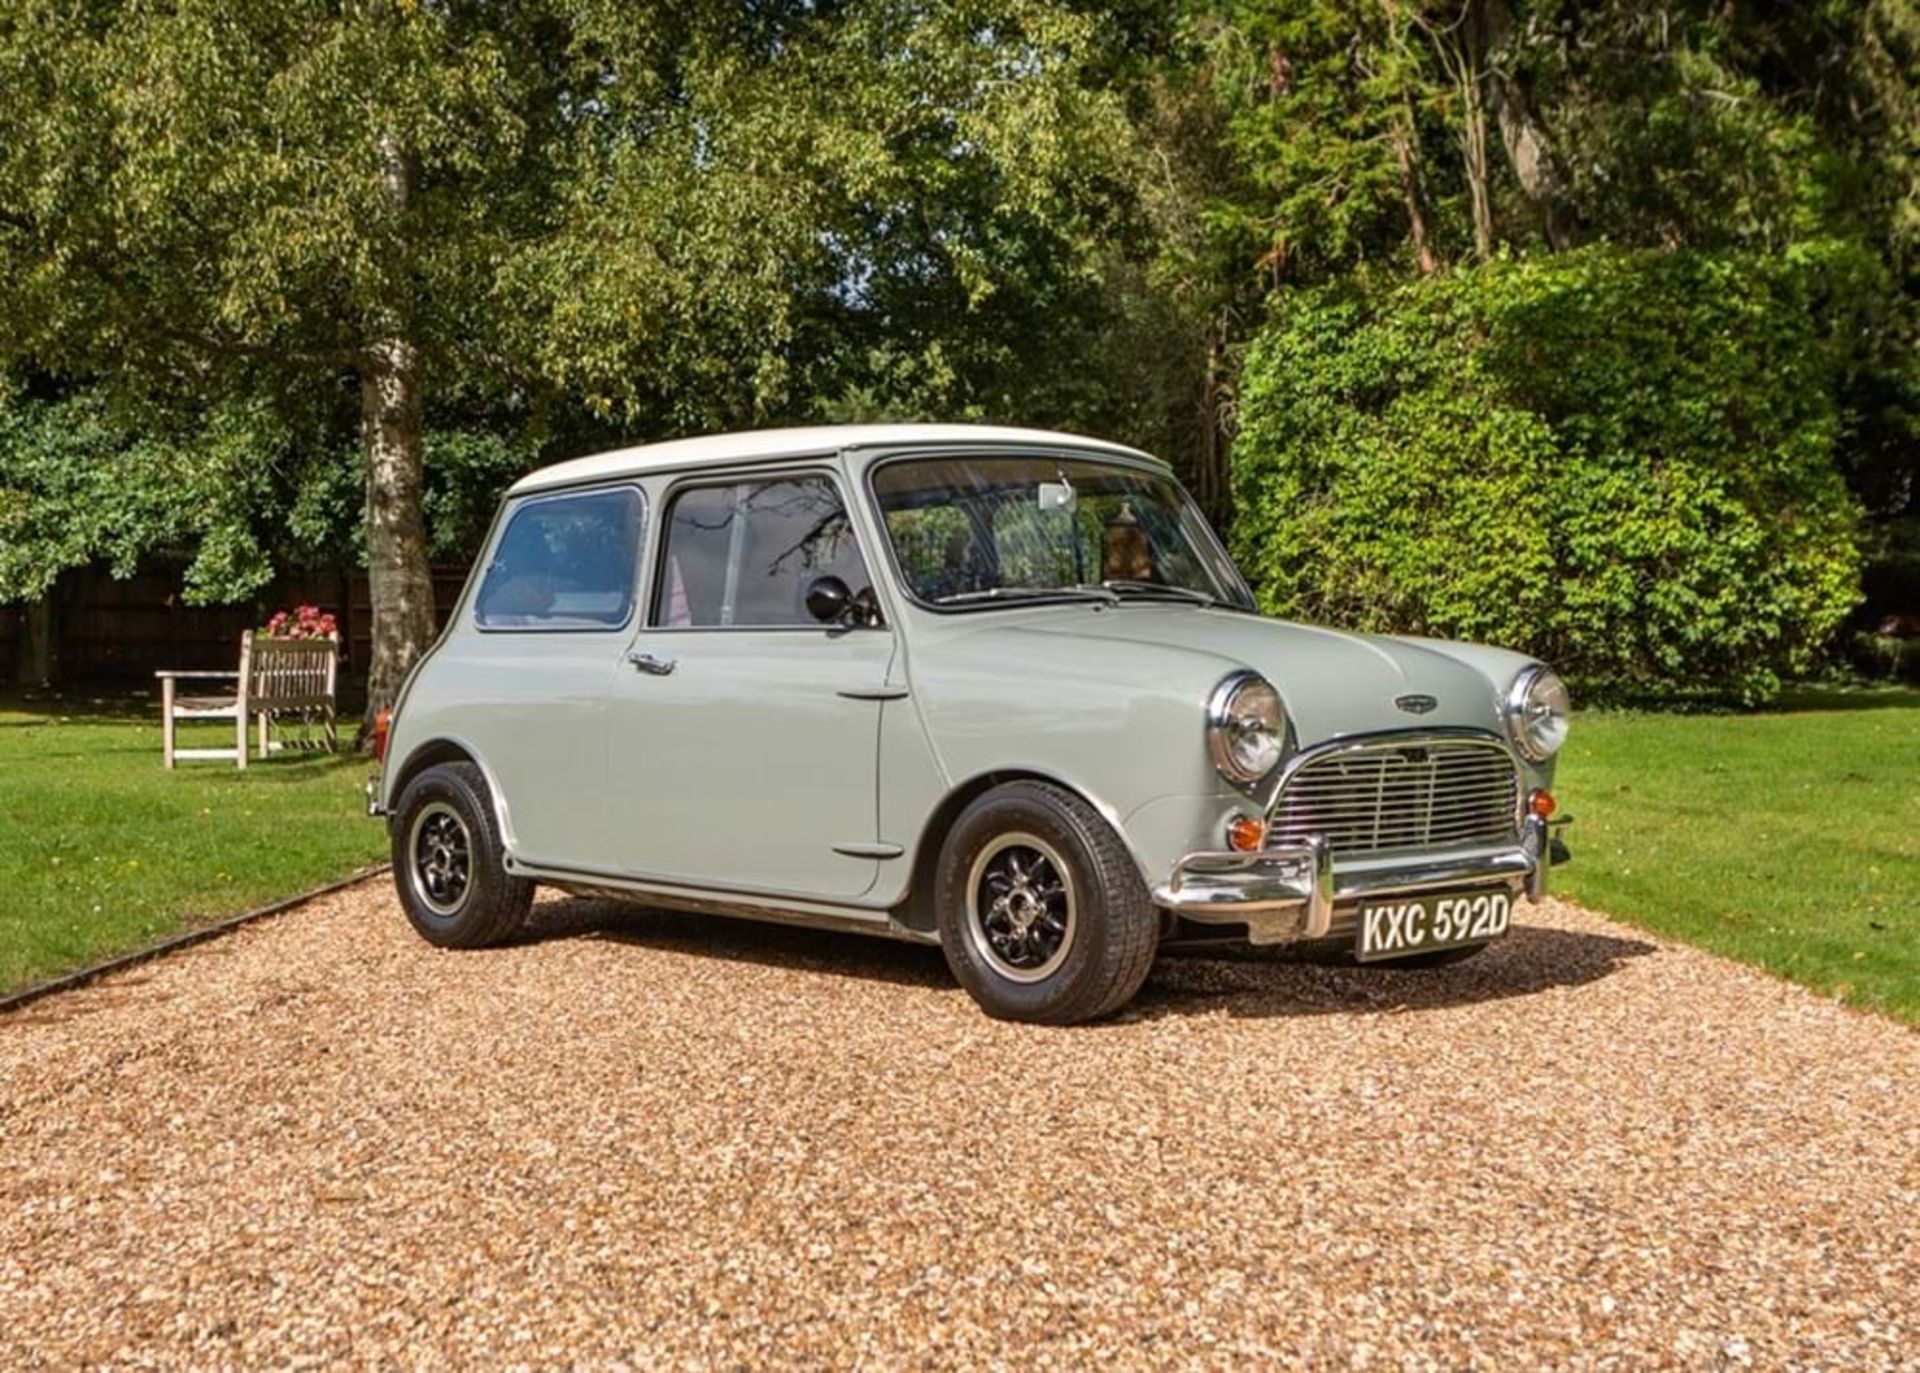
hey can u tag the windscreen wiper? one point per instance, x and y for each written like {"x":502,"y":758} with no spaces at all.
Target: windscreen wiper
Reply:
{"x":1031,"y":593}
{"x":1121,"y":585}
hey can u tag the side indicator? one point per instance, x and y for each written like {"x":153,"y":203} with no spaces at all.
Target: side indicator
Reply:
{"x":1246,"y":833}
{"x":382,"y":728}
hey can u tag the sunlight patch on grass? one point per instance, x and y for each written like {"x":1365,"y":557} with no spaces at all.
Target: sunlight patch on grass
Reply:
{"x":1788,"y":839}
{"x":102,"y":850}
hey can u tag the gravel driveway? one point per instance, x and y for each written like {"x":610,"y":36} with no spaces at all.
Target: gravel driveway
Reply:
{"x":651,"y":1138}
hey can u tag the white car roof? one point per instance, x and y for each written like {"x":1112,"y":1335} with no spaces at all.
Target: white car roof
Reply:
{"x":716,"y":449}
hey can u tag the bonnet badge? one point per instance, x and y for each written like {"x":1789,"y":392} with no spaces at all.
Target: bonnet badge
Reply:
{"x":1416,"y":704}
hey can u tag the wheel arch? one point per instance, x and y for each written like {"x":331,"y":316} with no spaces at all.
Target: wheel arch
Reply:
{"x":915,"y":910}
{"x":450,"y":749}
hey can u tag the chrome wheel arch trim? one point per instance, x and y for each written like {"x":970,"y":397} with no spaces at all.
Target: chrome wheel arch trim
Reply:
{"x":930,"y":833}
{"x":502,"y":815}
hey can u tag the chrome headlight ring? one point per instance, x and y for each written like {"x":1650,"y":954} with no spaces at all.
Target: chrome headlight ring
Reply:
{"x":1246,"y":728}
{"x":1537,"y":707}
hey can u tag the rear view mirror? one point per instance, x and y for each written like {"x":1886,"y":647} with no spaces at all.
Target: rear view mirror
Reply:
{"x":1058,"y":495}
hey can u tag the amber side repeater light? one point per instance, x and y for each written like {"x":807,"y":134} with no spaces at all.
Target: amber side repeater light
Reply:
{"x":1245,"y":833}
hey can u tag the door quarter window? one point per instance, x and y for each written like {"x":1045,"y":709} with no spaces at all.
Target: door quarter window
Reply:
{"x":564,"y":562}
{"x":742,"y":555}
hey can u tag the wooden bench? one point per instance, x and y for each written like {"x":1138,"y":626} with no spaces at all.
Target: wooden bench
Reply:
{"x":276,"y":677}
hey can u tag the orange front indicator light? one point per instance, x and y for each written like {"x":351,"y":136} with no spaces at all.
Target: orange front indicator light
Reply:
{"x":1542,"y":804}
{"x":1246,"y":833}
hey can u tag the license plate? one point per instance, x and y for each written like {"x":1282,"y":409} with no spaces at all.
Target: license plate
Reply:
{"x":1407,"y":925}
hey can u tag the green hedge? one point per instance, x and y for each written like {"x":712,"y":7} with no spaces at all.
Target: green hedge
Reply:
{"x":1621,"y":461}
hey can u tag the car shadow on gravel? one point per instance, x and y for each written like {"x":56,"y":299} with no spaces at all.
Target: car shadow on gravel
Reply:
{"x":1239,"y":982}
{"x":1298,"y":982}
{"x":739,"y":940}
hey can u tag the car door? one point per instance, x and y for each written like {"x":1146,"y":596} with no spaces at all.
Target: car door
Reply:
{"x":743,"y":733}
{"x":553,"y":611}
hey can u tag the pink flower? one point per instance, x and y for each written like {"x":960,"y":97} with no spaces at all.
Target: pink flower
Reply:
{"x":302,"y":622}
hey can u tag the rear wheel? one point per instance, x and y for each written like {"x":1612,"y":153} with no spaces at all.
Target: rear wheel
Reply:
{"x":1042,"y":914}
{"x":449,"y":863}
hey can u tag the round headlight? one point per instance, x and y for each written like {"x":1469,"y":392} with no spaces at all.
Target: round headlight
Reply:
{"x":1537,"y":707}
{"x":1246,"y":727}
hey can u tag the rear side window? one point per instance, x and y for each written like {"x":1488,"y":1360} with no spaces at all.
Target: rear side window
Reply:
{"x":564,"y":562}
{"x":743,"y":555}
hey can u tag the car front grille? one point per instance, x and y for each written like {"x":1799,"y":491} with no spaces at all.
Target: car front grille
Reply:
{"x":1401,"y":795}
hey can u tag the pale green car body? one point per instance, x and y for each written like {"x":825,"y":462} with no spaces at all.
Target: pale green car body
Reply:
{"x":808,"y":773}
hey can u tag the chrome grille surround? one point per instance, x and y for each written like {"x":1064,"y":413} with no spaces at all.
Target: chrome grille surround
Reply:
{"x":1400,"y":794}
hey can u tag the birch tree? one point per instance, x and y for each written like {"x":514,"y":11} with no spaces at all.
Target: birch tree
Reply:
{"x":666,"y":216}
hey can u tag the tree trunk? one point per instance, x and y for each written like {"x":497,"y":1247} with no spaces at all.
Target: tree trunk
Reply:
{"x":1214,"y":477}
{"x":1403,"y":133}
{"x":1523,"y":133}
{"x":1423,"y":254}
{"x":1474,"y":144}
{"x":399,"y":579}
{"x":1462,"y":49}
{"x":38,"y":664}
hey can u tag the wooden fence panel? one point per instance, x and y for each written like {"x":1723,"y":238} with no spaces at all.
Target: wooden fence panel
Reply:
{"x":122,"y":631}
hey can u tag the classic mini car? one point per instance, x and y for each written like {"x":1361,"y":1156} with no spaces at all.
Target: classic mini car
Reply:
{"x":993,"y":689}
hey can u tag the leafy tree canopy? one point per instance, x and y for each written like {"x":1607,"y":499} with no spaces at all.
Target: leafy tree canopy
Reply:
{"x":545,"y":220}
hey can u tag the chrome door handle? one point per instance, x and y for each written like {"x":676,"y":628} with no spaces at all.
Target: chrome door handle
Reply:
{"x":646,"y":662}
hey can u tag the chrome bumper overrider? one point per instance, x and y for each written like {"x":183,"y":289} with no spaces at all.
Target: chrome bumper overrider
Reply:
{"x":1294,"y":892}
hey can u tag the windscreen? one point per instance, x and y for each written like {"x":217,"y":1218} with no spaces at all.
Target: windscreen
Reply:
{"x":978,"y":529}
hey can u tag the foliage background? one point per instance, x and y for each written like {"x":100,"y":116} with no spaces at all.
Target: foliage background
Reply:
{"x":1584,"y":325}
{"x":1622,"y":461}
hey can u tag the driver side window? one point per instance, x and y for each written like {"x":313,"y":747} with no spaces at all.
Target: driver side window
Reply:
{"x":742,"y":555}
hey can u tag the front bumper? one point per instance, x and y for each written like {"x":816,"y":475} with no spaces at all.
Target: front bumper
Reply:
{"x":1294,"y":892}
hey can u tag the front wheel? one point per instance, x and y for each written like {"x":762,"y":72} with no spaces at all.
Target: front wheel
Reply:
{"x":449,"y":863}
{"x":1042,"y":914}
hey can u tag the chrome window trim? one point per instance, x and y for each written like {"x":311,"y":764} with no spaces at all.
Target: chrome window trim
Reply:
{"x":469,"y":606}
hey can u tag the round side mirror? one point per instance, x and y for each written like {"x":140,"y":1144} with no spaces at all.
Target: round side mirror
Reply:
{"x":829,"y":600}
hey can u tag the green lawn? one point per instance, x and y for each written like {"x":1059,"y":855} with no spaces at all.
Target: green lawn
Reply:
{"x":1788,"y":839}
{"x":102,"y":850}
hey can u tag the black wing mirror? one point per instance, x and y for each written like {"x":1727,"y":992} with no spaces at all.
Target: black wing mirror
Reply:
{"x":829,"y":601}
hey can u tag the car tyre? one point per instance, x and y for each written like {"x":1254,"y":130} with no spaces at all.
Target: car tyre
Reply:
{"x":1042,"y":914}
{"x":449,"y":863}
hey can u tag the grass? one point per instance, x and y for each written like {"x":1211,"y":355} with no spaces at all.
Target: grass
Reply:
{"x":102,"y":850}
{"x":1788,"y":839}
